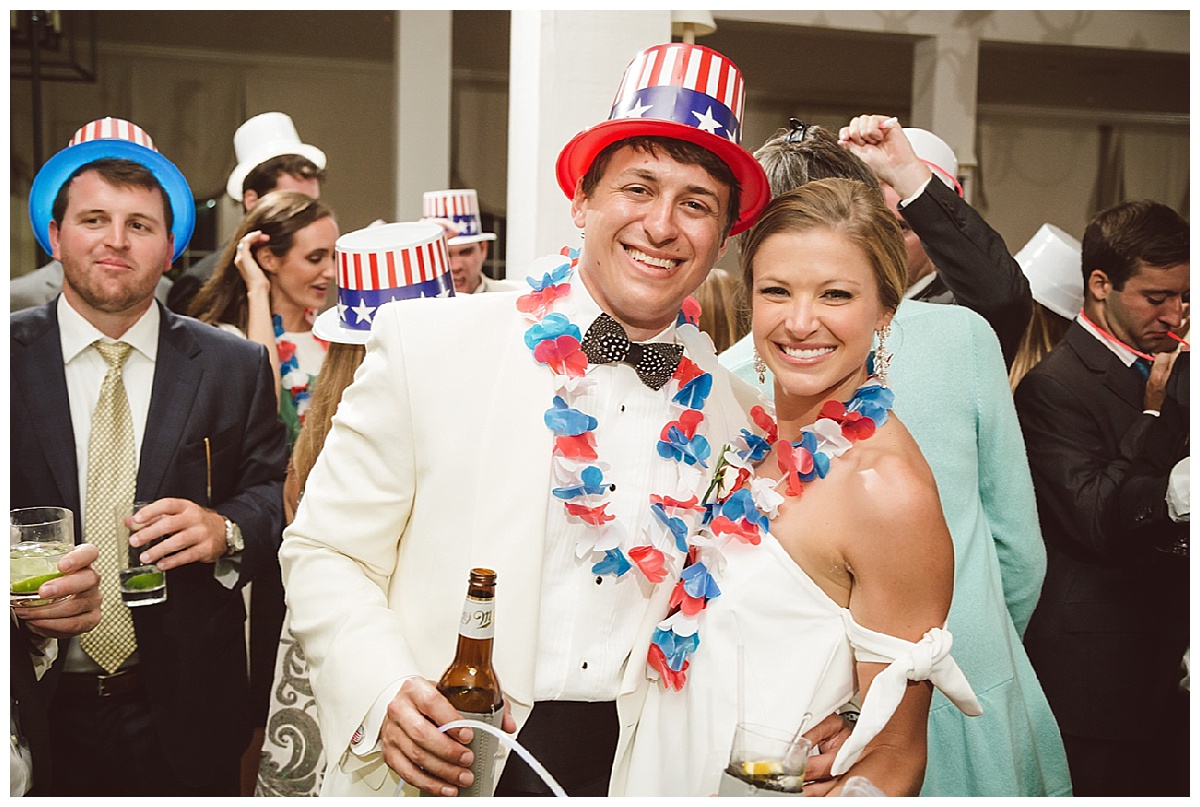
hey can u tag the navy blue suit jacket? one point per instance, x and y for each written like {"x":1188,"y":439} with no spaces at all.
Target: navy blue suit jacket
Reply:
{"x":207,"y":384}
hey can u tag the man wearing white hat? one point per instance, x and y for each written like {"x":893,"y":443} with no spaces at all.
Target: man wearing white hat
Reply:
{"x":954,"y":256}
{"x":458,"y":210}
{"x":115,"y":398}
{"x":271,"y":157}
{"x":462,"y":443}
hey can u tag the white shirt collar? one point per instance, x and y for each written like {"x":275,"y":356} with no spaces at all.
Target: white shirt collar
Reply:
{"x":1127,"y":356}
{"x":919,"y":286}
{"x":77,"y":334}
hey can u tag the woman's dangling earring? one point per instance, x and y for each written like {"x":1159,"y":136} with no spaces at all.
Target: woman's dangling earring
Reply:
{"x":760,"y":367}
{"x":883,"y":356}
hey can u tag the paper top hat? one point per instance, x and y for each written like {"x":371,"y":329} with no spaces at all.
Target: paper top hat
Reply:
{"x":937,"y":154}
{"x":1053,"y":263}
{"x":271,"y":134}
{"x":684,"y":91}
{"x":116,"y":139}
{"x":461,"y":207}
{"x":381,"y":264}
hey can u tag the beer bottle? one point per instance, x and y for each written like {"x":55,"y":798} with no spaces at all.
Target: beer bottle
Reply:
{"x":470,"y":682}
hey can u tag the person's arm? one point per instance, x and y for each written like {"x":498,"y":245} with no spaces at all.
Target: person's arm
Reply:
{"x":259,"y":325}
{"x":1077,"y":475}
{"x":1005,"y":484}
{"x":197,"y":533}
{"x":337,"y":579}
{"x":970,"y":257}
{"x":903,"y":579}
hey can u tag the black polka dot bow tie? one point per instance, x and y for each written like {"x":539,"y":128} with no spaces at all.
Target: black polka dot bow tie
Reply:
{"x":606,"y":342}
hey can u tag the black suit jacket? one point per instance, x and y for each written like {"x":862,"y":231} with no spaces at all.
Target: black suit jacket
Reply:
{"x":207,"y":383}
{"x":974,"y":267}
{"x":1111,"y":626}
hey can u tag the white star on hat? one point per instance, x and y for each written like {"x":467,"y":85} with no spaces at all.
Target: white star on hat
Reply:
{"x":363,"y":311}
{"x":707,"y":122}
{"x":638,"y":111}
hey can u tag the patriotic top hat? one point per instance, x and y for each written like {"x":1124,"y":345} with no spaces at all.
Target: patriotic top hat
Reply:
{"x":461,"y":207}
{"x":117,"y":139}
{"x":380,"y":264}
{"x":263,"y":137}
{"x":687,"y":92}
{"x":937,"y":154}
{"x":1053,"y":263}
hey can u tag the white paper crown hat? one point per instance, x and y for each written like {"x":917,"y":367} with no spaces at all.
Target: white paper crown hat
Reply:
{"x":1052,"y":262}
{"x":271,"y":134}
{"x":937,"y":154}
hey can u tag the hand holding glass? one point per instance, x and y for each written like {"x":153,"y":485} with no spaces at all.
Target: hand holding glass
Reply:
{"x":140,"y":583}
{"x":39,"y":537}
{"x":764,"y":761}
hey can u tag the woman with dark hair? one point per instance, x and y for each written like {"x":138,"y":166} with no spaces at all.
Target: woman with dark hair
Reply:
{"x":827,"y":596}
{"x":271,"y":282}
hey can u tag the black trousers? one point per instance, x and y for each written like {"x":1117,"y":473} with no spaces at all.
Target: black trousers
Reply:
{"x":574,"y":741}
{"x":107,"y":746}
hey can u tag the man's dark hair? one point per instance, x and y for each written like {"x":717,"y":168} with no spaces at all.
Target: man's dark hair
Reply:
{"x":1122,"y":238}
{"x":122,"y":174}
{"x":681,"y":151}
{"x":802,"y":154}
{"x":263,"y":178}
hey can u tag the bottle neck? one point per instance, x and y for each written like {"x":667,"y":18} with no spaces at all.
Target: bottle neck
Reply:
{"x":477,"y":628}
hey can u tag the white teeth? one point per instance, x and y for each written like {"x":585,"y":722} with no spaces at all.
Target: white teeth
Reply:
{"x":662,"y":263}
{"x":800,"y":353}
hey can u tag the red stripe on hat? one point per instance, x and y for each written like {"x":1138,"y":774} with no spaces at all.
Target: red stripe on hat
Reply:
{"x":703,"y":62}
{"x":358,"y":274}
{"x":343,"y":271}
{"x":422,"y":272}
{"x":391,"y":269}
{"x":408,"y":275}
{"x":739,"y":95}
{"x":373,"y":262}
{"x":97,"y":130}
{"x":677,"y":69}
{"x":439,"y":256}
{"x":654,"y":78}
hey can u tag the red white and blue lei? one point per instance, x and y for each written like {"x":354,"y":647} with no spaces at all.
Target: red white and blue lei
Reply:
{"x":745,"y":503}
{"x":579,"y":473}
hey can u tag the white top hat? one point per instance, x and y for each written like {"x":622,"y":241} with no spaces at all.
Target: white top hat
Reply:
{"x":937,"y":154}
{"x":271,"y":134}
{"x":380,"y":264}
{"x":460,"y":206}
{"x":1052,"y":262}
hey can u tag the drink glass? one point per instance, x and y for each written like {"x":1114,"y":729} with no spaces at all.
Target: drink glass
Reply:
{"x":38,"y":539}
{"x":765,"y":761}
{"x":139,"y":583}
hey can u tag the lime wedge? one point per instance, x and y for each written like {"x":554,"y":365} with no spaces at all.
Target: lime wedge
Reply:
{"x":30,"y":585}
{"x":142,"y":582}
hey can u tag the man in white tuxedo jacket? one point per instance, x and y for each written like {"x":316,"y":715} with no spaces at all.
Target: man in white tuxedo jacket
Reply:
{"x":524,"y":433}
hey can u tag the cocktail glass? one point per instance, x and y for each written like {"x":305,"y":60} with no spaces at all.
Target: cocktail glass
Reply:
{"x":139,"y":583}
{"x":765,"y":761}
{"x":38,"y":539}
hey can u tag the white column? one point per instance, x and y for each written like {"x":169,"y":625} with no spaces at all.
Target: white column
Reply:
{"x":423,"y":66}
{"x":945,"y":81}
{"x":565,"y":67}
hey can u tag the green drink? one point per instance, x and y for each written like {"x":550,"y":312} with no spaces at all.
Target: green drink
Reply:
{"x":31,"y":563}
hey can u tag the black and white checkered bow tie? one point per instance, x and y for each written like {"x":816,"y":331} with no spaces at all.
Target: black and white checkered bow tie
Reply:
{"x":606,"y":342}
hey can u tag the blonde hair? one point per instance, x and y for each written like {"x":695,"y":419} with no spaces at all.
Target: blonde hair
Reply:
{"x":723,"y":313}
{"x":337,"y":371}
{"x":1045,"y":330}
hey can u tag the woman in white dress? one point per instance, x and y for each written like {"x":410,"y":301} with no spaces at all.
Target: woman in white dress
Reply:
{"x":793,"y":605}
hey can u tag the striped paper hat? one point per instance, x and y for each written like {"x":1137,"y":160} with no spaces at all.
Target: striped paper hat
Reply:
{"x":117,"y":139}
{"x":461,"y":207}
{"x":381,"y":264}
{"x":683,"y":91}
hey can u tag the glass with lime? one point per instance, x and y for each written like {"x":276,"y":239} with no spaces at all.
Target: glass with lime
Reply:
{"x":140,"y":583}
{"x":39,"y":537}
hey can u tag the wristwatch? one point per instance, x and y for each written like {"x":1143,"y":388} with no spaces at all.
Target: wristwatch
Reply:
{"x":233,"y":538}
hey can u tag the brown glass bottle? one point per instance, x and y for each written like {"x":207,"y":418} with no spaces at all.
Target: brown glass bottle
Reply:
{"x":470,"y":682}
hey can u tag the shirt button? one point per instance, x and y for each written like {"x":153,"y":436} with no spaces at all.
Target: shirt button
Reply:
{"x":585,"y":665}
{"x":622,"y":407}
{"x":599,"y":579}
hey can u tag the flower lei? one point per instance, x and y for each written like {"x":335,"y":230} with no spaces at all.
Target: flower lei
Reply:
{"x":745,"y":503}
{"x":298,"y":385}
{"x":579,"y":473}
